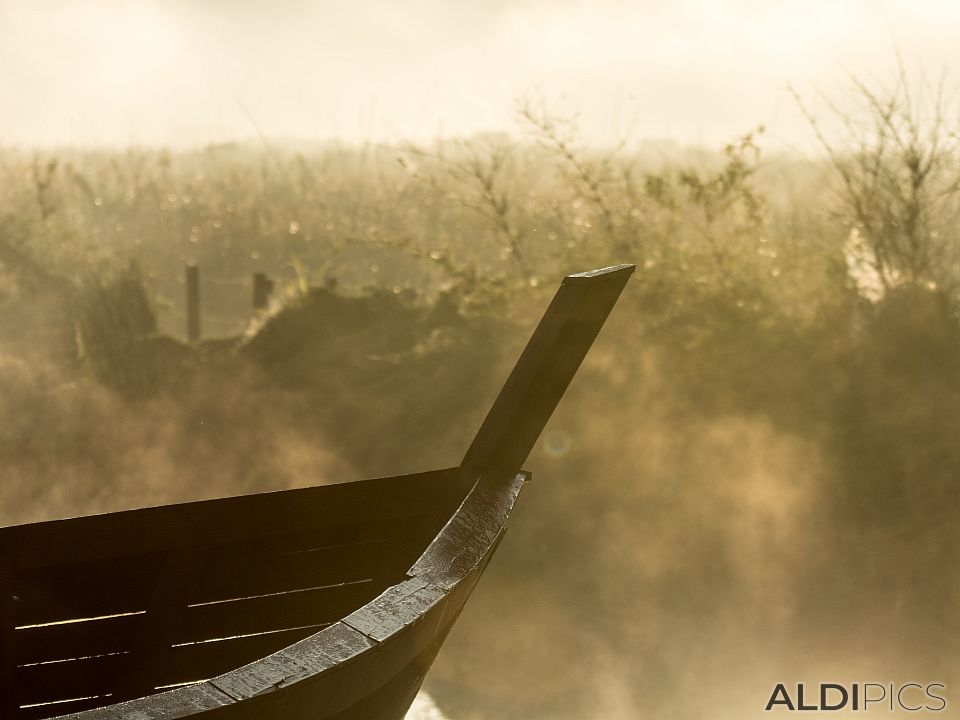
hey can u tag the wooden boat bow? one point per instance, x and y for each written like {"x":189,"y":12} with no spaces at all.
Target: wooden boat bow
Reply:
{"x":363,"y":596}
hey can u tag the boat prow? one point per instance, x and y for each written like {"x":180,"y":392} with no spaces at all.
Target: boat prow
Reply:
{"x":321,"y":603}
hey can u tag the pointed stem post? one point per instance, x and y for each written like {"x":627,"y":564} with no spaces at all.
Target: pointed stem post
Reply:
{"x":541,"y":375}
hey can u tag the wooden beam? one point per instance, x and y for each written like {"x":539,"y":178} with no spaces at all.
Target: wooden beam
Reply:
{"x":543,"y":372}
{"x":262,"y":289}
{"x":193,"y":303}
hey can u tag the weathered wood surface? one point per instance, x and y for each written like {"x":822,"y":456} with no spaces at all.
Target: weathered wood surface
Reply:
{"x":336,"y":593}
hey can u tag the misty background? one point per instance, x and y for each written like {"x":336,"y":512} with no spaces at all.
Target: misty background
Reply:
{"x":753,"y":477}
{"x":115,"y":72}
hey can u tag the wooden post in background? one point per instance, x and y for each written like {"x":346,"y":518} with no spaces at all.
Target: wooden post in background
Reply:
{"x":262,"y":289}
{"x":193,"y":303}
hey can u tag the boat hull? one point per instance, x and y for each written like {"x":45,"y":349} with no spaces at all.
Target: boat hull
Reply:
{"x":369,"y":665}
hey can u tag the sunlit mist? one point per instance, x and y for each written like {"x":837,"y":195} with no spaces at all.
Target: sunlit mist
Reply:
{"x":121,"y":71}
{"x":254,"y":246}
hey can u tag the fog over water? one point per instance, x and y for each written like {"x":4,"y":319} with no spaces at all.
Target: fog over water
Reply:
{"x":176,"y":72}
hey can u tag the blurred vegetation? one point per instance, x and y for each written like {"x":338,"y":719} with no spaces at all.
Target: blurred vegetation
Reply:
{"x":756,"y":468}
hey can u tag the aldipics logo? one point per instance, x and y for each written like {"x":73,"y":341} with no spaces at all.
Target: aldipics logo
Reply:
{"x":891,"y":697}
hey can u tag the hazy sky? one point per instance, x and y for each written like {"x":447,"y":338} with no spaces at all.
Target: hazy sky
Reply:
{"x":194,"y":71}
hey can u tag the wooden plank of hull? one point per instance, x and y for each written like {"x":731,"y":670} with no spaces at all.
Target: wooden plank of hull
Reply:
{"x":89,"y":677}
{"x":338,"y":507}
{"x":76,"y":640}
{"x":309,"y":607}
{"x":189,"y":663}
{"x":267,"y":565}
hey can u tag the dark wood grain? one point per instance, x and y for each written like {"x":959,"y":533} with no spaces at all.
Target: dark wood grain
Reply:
{"x":78,"y":678}
{"x":9,"y":693}
{"x":202,"y":661}
{"x":46,"y":711}
{"x":309,"y":607}
{"x":336,"y":508}
{"x":73,"y":640}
